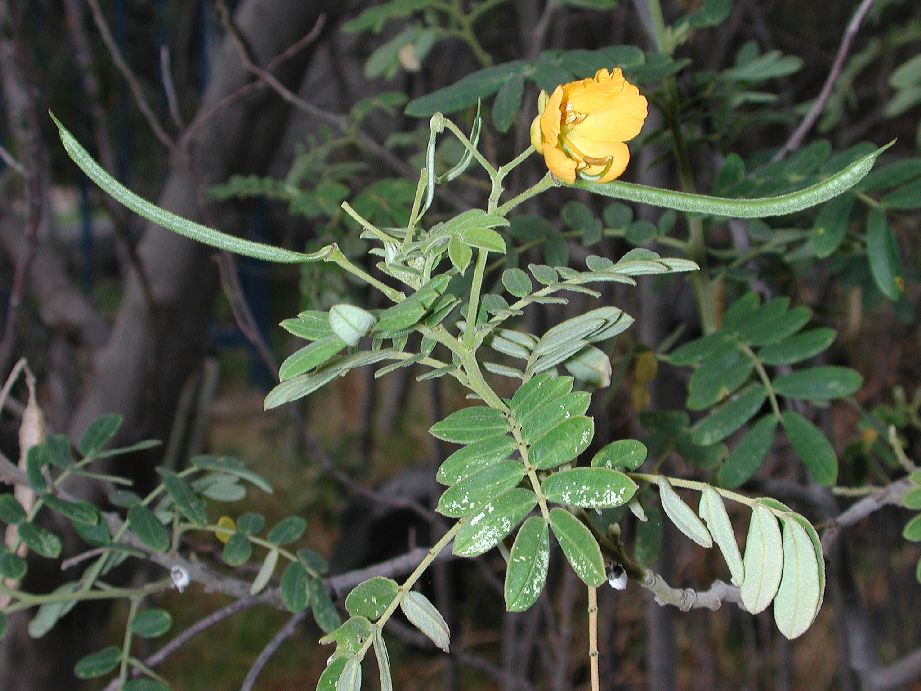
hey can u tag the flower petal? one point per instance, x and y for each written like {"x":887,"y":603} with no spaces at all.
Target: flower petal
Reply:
{"x":550,"y":117}
{"x":560,"y":164}
{"x":620,"y":157}
{"x":621,"y":119}
{"x":587,"y":95}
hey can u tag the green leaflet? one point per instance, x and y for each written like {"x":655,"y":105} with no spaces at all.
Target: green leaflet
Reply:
{"x":799,"y":594}
{"x":184,"y":498}
{"x":819,"y":383}
{"x":738,"y":208}
{"x":563,"y":443}
{"x":527,"y":565}
{"x":469,"y":494}
{"x":494,"y":520}
{"x":474,"y":457}
{"x":173,"y":222}
{"x":371,"y":598}
{"x":537,"y":391}
{"x":746,"y":457}
{"x":831,"y":225}
{"x":883,"y":255}
{"x":579,"y":545}
{"x":295,"y":587}
{"x":553,"y":412}
{"x":713,"y":511}
{"x":99,"y":663}
{"x":590,"y":488}
{"x":470,"y":424}
{"x":424,"y":616}
{"x":797,"y":348}
{"x":814,"y":450}
{"x":329,"y":680}
{"x":287,"y":530}
{"x":350,"y":637}
{"x":383,"y":659}
{"x":148,"y":529}
{"x":99,"y":433}
{"x":623,"y":454}
{"x":763,"y":560}
{"x":682,"y":515}
{"x":350,"y":679}
{"x":718,"y":377}
{"x":151,"y":623}
{"x":265,"y":572}
{"x":729,"y":417}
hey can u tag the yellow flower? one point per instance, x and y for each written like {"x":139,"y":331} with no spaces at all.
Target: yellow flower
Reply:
{"x":582,"y":126}
{"x":226,"y":527}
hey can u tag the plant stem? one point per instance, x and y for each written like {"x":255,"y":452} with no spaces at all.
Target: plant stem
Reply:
{"x":515,"y":162}
{"x":532,"y":472}
{"x":544,"y":184}
{"x":473,"y":304}
{"x":700,"y":486}
{"x":27,"y":600}
{"x":417,"y":202}
{"x":658,"y":24}
{"x":487,"y":166}
{"x":593,"y":637}
{"x":339,"y":259}
{"x":479,"y":385}
{"x":411,"y":580}
{"x":126,"y":642}
{"x":763,"y":376}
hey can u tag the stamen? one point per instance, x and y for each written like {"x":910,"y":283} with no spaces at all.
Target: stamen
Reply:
{"x":595,"y":177}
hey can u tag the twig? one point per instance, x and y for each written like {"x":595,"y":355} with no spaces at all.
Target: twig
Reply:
{"x":191,"y":632}
{"x":99,"y":119}
{"x":239,"y":307}
{"x":204,"y":116}
{"x":899,"y":674}
{"x":284,"y":633}
{"x":172,"y":101}
{"x":858,"y":511}
{"x":819,"y":105}
{"x":340,"y":122}
{"x":687,"y":599}
{"x":11,"y":161}
{"x":133,"y":84}
{"x":313,"y":448}
{"x":593,"y":637}
{"x":414,"y":638}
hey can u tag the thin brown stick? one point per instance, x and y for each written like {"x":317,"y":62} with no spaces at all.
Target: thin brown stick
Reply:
{"x":134,"y":84}
{"x":239,"y":307}
{"x":313,"y":448}
{"x":100,"y":122}
{"x":169,"y":87}
{"x":191,"y":632}
{"x":340,"y":122}
{"x":819,"y":105}
{"x":247,"y":89}
{"x":891,"y":494}
{"x":593,"y":637}
{"x":284,"y":633}
{"x":11,"y":161}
